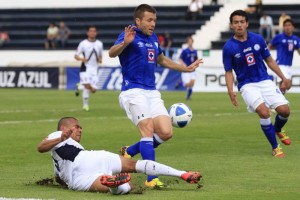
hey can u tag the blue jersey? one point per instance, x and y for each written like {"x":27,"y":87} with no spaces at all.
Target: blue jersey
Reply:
{"x":188,"y":56}
{"x":138,"y":61}
{"x":285,"y":46}
{"x":246,"y":59}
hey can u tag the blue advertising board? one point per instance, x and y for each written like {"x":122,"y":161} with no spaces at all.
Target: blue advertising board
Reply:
{"x":111,"y":78}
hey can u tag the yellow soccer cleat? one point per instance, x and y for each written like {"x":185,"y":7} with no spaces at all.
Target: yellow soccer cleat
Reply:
{"x":155,"y":184}
{"x":285,"y":139}
{"x":123,"y":152}
{"x":277,"y":152}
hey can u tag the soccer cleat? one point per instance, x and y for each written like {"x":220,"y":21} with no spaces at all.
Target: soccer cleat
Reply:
{"x":154,"y":183}
{"x":191,"y":177}
{"x":285,"y":139}
{"x":77,"y":90}
{"x":115,"y":180}
{"x":123,"y":152}
{"x":86,"y":108}
{"x":277,"y":152}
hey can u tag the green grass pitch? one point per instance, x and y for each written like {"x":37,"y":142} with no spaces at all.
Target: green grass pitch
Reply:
{"x":224,"y":143}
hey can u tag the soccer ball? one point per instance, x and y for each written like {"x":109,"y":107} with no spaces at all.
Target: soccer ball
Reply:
{"x":181,"y":115}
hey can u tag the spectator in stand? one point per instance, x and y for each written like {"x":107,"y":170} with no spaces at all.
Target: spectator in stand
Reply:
{"x":279,"y":27}
{"x":194,"y":9}
{"x":265,"y":26}
{"x":255,"y":9}
{"x":161,"y":39}
{"x":214,"y":2}
{"x":52,"y":34}
{"x":63,"y":34}
{"x":167,"y":44}
{"x":4,"y":37}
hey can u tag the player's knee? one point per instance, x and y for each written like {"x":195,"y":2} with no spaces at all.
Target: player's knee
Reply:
{"x":264,"y":114}
{"x":283,"y":111}
{"x":166,"y":134}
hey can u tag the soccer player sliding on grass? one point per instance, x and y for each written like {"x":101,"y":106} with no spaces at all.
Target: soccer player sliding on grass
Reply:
{"x":98,"y":171}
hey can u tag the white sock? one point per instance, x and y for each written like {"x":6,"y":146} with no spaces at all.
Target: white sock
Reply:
{"x":153,"y":168}
{"x":121,"y":189}
{"x":85,"y":96}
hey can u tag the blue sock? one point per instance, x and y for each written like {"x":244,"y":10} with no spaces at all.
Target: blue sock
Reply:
{"x":157,"y":141}
{"x":279,"y":123}
{"x":269,"y":131}
{"x":189,"y":93}
{"x":133,"y":149}
{"x":147,"y":152}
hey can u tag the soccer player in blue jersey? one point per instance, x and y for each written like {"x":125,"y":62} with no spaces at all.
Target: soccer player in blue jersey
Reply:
{"x":187,"y":57}
{"x":139,"y":53}
{"x":285,"y":44}
{"x":245,"y":53}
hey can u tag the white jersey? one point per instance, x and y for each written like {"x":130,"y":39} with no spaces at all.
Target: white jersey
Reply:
{"x":91,"y":51}
{"x":63,"y":155}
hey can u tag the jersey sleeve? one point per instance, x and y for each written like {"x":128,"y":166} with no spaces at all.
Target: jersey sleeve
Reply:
{"x":227,"y":58}
{"x":265,"y":52}
{"x":54,"y":135}
{"x":275,"y":41}
{"x":100,"y":49}
{"x":298,"y":44}
{"x":120,"y":38}
{"x":79,"y":49}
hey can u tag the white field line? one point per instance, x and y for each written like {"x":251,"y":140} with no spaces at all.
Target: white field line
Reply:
{"x":124,"y":117}
{"x":3,"y":198}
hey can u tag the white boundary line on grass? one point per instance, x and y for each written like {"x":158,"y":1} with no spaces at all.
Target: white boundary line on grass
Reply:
{"x":124,"y":117}
{"x":4,"y":198}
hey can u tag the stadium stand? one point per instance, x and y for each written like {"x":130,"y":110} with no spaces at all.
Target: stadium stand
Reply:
{"x":27,"y":27}
{"x":272,"y":10}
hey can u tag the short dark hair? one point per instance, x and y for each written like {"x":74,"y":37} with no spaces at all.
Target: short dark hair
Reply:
{"x":288,"y":21}
{"x":64,"y":121}
{"x":92,"y":26}
{"x":239,"y":13}
{"x":139,"y":11}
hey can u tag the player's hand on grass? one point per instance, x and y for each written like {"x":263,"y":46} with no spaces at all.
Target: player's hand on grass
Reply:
{"x":129,"y":34}
{"x":192,"y":67}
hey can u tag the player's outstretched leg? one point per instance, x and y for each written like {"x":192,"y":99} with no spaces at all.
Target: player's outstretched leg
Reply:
{"x":153,"y":168}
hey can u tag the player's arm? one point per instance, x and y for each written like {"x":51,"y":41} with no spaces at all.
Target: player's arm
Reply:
{"x":298,"y":50}
{"x":181,"y":62}
{"x":79,"y":58}
{"x":60,"y":181}
{"x":100,"y":59}
{"x":129,"y":35}
{"x":270,"y":46}
{"x":274,"y":67}
{"x":47,"y":144}
{"x":168,"y":63}
{"x":229,"y":83}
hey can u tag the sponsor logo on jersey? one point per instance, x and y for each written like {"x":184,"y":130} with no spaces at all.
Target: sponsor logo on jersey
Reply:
{"x":151,"y":55}
{"x":238,"y":55}
{"x":140,"y":44}
{"x":148,"y":45}
{"x":256,"y":47}
{"x":250,"y":59}
{"x":248,"y":49}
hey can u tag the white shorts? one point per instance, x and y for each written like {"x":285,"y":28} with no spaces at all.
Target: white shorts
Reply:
{"x":266,"y":92}
{"x":141,"y":104}
{"x":287,"y":71}
{"x":187,"y":77}
{"x":89,"y":165}
{"x":87,"y":78}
